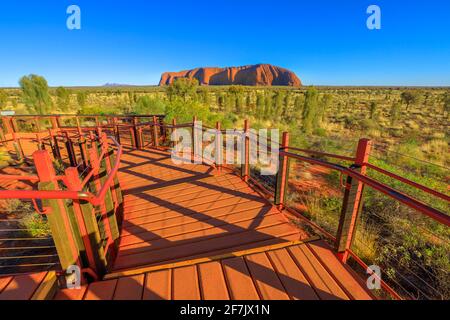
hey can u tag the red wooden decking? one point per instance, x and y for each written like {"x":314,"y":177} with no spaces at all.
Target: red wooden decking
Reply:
{"x":31,"y":286}
{"x":308,"y":271}
{"x":192,"y":233}
{"x":178,"y":212}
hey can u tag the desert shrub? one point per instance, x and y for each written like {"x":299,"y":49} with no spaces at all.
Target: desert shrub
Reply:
{"x":185,"y":111}
{"x":100,"y":110}
{"x":3,"y":99}
{"x":63,"y":98}
{"x":320,"y":132}
{"x":437,"y":150}
{"x":36,"y":225}
{"x":148,"y":105}
{"x":82,"y":98}
{"x":368,"y":124}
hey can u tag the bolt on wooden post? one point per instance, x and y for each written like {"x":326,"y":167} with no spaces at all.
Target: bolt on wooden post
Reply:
{"x":283,"y":173}
{"x":352,"y":201}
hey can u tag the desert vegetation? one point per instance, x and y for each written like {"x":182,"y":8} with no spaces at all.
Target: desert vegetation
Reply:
{"x":409,"y":127}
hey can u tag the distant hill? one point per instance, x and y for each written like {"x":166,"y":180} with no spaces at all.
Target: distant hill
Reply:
{"x":251,"y":75}
{"x":117,"y":85}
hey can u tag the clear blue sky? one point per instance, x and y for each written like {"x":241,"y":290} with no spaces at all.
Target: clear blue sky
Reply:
{"x":326,"y":42}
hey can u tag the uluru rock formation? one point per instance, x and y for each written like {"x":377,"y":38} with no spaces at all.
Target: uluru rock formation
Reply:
{"x":252,"y":75}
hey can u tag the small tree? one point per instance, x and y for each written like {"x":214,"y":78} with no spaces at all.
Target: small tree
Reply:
{"x":221,"y":101}
{"x":279,"y":99}
{"x":325,"y":104}
{"x":3,"y":99}
{"x":446,"y":101}
{"x":286,"y":107}
{"x":236,"y":97}
{"x":35,"y":94}
{"x":183,"y":87}
{"x":311,"y":110}
{"x":81,"y":98}
{"x":63,"y":98}
{"x":248,"y":102}
{"x":373,"y":109}
{"x":148,"y":105}
{"x":395,"y":112}
{"x":409,"y":97}
{"x":268,"y":108}
{"x":259,"y":105}
{"x":298,"y":107}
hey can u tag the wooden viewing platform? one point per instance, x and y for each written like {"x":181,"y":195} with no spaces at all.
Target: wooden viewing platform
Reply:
{"x":138,"y":225}
{"x":190,"y":232}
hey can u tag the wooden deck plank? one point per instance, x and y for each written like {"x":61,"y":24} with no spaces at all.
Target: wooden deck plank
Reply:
{"x":174,"y":220}
{"x":265,"y":278}
{"x":324,"y":285}
{"x":206,"y":245}
{"x":239,"y":281}
{"x":200,"y":206}
{"x":22,"y":287}
{"x":353,"y":287}
{"x":158,"y":285}
{"x":184,"y":226}
{"x":101,"y":290}
{"x":290,"y":275}
{"x":254,"y":226}
{"x":185,"y":283}
{"x":210,"y":202}
{"x":129,"y":288}
{"x":4,"y":282}
{"x":212,"y":281}
{"x":187,"y":192}
{"x":71,"y":294}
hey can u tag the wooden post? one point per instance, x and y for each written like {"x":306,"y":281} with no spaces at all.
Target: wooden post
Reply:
{"x":246,"y":157}
{"x":196,"y":141}
{"x":56,"y":151}
{"x":117,"y":196}
{"x":107,"y":206}
{"x":352,"y":202}
{"x":7,"y":125}
{"x":218,"y":147}
{"x":87,"y":224}
{"x":133,"y":138}
{"x":55,"y":124}
{"x":155,"y":133}
{"x":135,"y":134}
{"x":283,"y":173}
{"x":63,"y":231}
{"x":70,"y":151}
{"x":83,"y":151}
{"x":78,"y":125}
{"x":174,"y":132}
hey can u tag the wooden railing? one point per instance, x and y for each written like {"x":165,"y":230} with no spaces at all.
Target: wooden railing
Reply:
{"x":83,"y":205}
